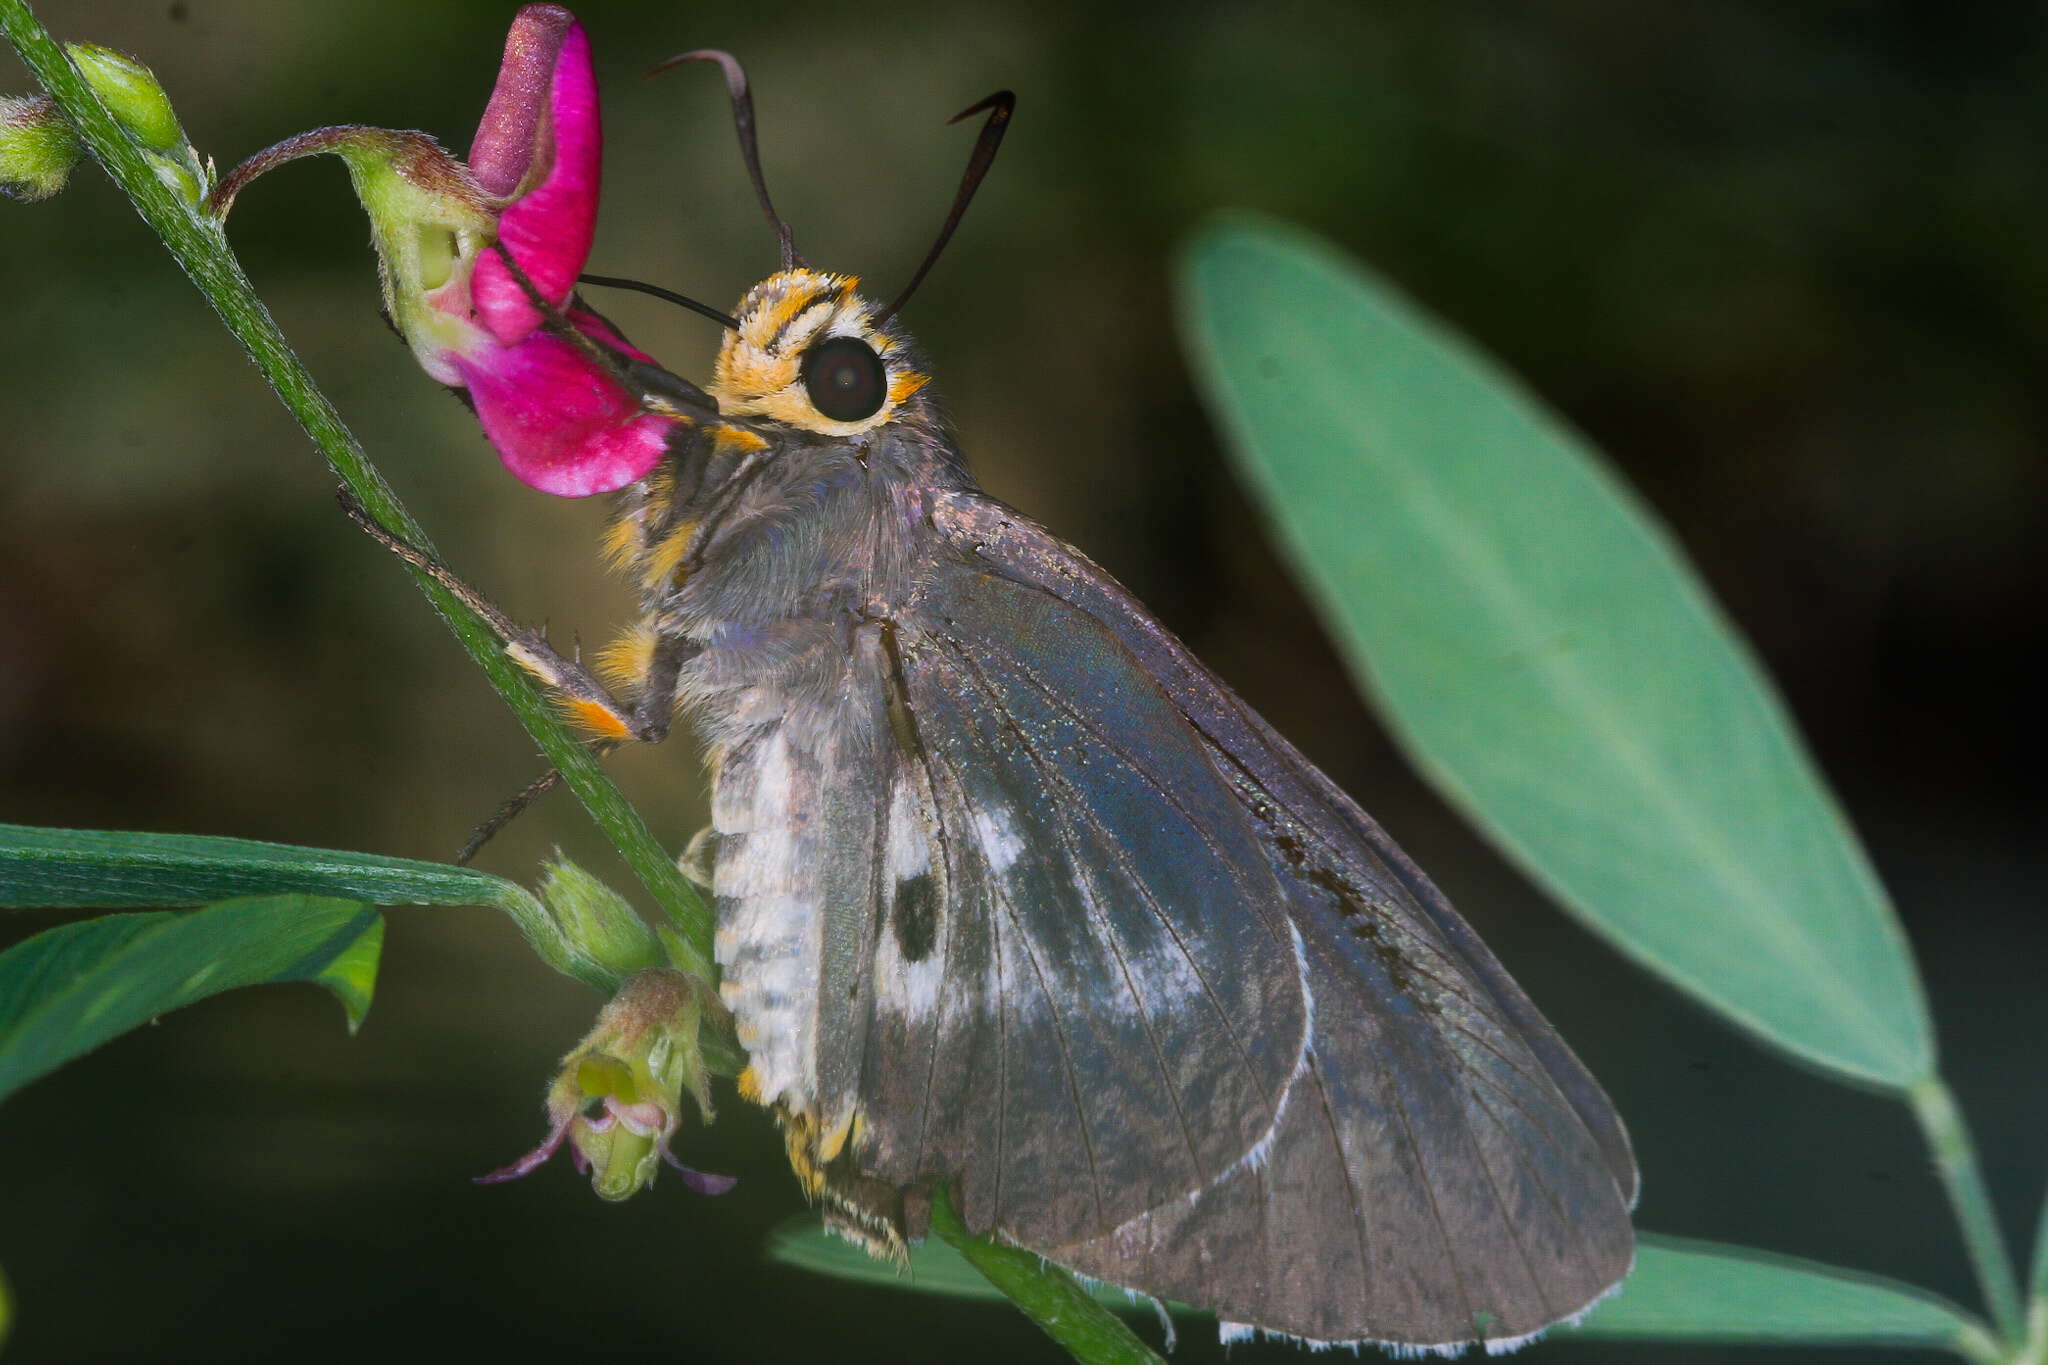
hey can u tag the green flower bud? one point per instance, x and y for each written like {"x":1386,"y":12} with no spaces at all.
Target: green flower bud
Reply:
{"x":37,"y":147}
{"x":597,"y":919}
{"x":131,"y":93}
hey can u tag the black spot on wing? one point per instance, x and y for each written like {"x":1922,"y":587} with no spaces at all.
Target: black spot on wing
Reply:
{"x":914,"y":916}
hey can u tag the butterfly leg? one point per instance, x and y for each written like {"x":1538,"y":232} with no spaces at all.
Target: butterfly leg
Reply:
{"x":586,"y":698}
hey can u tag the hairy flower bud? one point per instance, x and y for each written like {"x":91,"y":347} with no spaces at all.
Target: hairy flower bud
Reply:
{"x":37,"y":147}
{"x":618,"y":1098}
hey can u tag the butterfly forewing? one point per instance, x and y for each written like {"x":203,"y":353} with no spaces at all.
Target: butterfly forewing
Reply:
{"x":1107,"y":985}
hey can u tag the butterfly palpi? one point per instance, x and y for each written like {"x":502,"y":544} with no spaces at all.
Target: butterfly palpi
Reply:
{"x":1013,"y":895}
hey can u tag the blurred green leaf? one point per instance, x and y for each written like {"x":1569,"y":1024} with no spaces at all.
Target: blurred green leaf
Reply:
{"x":1680,"y":1290}
{"x":1683,"y":1290}
{"x":69,"y":989}
{"x":1542,"y":650}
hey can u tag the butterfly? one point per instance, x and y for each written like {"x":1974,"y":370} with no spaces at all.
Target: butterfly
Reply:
{"x":1015,"y":896}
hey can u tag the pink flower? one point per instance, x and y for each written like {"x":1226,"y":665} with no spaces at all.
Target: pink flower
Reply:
{"x":450,"y":235}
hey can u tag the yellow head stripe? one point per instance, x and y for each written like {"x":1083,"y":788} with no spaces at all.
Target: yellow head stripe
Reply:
{"x":627,"y":659}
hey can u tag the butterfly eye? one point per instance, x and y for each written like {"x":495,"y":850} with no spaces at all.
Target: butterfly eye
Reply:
{"x":845,"y":379}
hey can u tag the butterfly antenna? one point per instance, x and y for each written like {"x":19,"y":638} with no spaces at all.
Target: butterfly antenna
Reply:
{"x":743,"y":124}
{"x":726,"y":320}
{"x":999,"y":106}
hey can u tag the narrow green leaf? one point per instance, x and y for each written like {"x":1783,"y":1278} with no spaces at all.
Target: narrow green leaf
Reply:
{"x":69,"y":989}
{"x":351,"y":977}
{"x":1540,"y":647}
{"x":1683,"y":1290}
{"x":104,"y":868}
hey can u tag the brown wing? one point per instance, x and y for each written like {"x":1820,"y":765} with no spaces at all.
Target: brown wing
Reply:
{"x":1443,"y":1169}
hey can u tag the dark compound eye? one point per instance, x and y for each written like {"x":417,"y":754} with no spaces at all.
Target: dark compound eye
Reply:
{"x":845,"y":379}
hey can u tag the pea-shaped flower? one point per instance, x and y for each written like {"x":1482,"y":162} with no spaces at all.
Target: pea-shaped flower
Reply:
{"x":469,"y":251}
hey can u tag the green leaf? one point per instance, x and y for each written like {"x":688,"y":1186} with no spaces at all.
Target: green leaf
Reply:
{"x":1542,"y":650}
{"x":69,"y":989}
{"x":1680,"y":1290}
{"x":1683,"y":1290}
{"x":72,"y":867}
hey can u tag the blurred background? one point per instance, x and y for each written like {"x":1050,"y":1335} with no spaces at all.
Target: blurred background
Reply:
{"x":1783,"y":263}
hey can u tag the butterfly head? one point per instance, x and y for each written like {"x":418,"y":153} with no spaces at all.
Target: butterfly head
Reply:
{"x":811,"y":353}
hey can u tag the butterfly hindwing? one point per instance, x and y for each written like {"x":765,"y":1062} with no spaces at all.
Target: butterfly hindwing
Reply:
{"x":1443,"y":1168}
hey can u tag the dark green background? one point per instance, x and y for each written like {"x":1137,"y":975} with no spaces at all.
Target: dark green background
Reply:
{"x":1782,"y":261}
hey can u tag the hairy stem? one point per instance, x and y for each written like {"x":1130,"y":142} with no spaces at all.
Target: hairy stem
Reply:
{"x":1046,"y":1294}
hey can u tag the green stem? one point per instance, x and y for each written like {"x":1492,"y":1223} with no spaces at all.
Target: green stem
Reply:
{"x":200,"y":248}
{"x":1046,"y":1294}
{"x":2035,"y":1352}
{"x":1976,"y":1345}
{"x":1955,"y":1157}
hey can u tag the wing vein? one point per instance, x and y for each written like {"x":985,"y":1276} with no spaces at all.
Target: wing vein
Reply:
{"x":1400,"y":1107}
{"x":1083,"y":721}
{"x":1145,"y":892}
{"x":1052,"y":1006}
{"x":1067,"y":826}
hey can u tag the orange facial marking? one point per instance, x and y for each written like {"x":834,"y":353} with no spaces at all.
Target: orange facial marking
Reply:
{"x":737,"y":441}
{"x":905,"y":384}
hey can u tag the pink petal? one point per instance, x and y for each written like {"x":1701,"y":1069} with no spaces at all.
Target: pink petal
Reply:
{"x":503,"y":151}
{"x":703,"y":1182}
{"x":646,"y":1119}
{"x":548,"y":228}
{"x":533,"y":1160}
{"x":560,"y":423}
